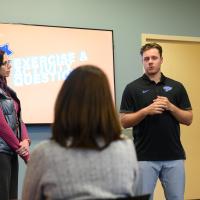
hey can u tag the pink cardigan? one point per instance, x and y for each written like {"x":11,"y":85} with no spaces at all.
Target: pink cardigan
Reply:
{"x":6,"y":133}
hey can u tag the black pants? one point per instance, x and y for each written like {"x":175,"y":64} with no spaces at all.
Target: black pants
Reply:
{"x":8,"y":176}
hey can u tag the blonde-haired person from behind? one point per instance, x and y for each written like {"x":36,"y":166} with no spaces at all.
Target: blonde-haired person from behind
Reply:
{"x":87,"y":157}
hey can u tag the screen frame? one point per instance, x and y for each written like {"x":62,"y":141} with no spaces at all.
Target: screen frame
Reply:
{"x":81,"y":28}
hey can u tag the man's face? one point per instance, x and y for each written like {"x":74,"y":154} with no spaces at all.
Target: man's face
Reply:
{"x":152,"y":61}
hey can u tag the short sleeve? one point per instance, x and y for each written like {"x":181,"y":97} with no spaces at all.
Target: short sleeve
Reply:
{"x":183,"y":99}
{"x":127,"y":101}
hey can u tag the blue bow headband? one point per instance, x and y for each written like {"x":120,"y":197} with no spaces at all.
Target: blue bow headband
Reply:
{"x":6,"y":49}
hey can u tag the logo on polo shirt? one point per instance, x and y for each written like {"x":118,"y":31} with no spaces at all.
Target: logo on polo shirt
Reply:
{"x":167,"y":88}
{"x":144,"y":91}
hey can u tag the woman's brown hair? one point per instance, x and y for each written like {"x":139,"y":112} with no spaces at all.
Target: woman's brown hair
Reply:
{"x":84,"y":111}
{"x":1,"y":57}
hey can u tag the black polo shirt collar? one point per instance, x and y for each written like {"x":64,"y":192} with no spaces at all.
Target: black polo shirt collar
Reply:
{"x":162,"y":80}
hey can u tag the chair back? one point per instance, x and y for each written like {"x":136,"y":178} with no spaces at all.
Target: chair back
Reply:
{"x":141,"y":197}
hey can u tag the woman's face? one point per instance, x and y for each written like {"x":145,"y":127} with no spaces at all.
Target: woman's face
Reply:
{"x":5,"y":67}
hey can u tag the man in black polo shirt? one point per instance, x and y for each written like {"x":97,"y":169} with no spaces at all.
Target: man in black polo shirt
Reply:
{"x":154,"y":105}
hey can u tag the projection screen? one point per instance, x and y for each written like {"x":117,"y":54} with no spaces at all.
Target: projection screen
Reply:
{"x":43,"y":56}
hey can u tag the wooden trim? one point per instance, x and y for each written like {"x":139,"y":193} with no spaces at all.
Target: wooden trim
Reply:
{"x":172,"y":38}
